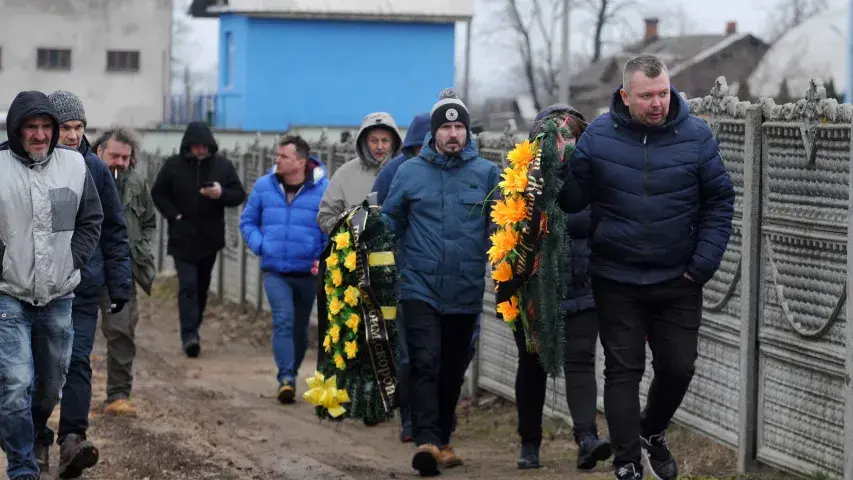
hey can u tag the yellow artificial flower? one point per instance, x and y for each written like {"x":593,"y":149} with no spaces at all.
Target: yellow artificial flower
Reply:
{"x":335,"y":333}
{"x":522,"y":154}
{"x":509,"y":309}
{"x":514,"y":180}
{"x":342,"y":240}
{"x":353,"y":321}
{"x":503,"y":241}
{"x":349,"y":262}
{"x":327,"y":344}
{"x":351,"y":348}
{"x":351,"y":296}
{"x":332,"y":260}
{"x":502,"y":273}
{"x":323,"y":392}
{"x":339,"y":362}
{"x":337,"y":277}
{"x":335,"y":306}
{"x":329,"y":289}
{"x":509,"y":211}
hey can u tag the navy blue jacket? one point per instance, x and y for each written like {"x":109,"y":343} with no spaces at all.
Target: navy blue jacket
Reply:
{"x":439,"y":207}
{"x":415,"y":135}
{"x":575,"y":277}
{"x":661,"y":198}
{"x":110,"y":263}
{"x":286,"y":235}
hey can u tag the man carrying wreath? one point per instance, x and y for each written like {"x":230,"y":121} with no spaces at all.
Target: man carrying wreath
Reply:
{"x":439,"y":207}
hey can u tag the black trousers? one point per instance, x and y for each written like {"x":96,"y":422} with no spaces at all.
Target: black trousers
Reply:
{"x":669,"y":314}
{"x":193,"y":287}
{"x":581,"y":333}
{"x":439,"y":351}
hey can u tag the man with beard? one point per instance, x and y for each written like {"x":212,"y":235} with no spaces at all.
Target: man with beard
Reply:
{"x":439,"y":207}
{"x":50,"y":223}
{"x":108,"y":267}
{"x":377,"y":142}
{"x":118,"y":147}
{"x":191,"y":191}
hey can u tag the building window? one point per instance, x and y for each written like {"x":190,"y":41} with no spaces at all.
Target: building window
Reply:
{"x":54,"y":59}
{"x":123,"y":61}
{"x":228,"y":70}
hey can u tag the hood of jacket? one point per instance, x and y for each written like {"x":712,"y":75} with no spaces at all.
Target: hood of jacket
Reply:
{"x":198,"y":133}
{"x":28,"y":104}
{"x":428,"y":153}
{"x":679,"y":111}
{"x":415,"y":134}
{"x":315,"y":170}
{"x":371,"y":121}
{"x":85,"y":147}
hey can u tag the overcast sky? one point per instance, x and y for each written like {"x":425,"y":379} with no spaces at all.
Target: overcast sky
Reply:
{"x":490,"y":67}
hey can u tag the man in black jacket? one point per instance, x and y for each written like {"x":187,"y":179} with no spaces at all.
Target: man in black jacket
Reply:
{"x":191,"y":191}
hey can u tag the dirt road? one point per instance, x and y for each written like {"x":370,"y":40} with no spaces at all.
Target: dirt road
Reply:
{"x":216,"y":417}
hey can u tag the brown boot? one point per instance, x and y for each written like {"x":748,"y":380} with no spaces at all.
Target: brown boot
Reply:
{"x":426,"y":460}
{"x":75,"y":455}
{"x":121,"y":407}
{"x":448,"y":458}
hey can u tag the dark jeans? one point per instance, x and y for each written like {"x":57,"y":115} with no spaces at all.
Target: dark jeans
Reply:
{"x":77,"y":391}
{"x":581,"y":333}
{"x":439,"y":351}
{"x":193,"y":286}
{"x":669,"y":314}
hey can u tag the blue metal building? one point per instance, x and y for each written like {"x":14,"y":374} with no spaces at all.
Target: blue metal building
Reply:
{"x":291,"y":63}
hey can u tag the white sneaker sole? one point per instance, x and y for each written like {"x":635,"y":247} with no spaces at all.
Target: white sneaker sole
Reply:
{"x":648,"y":465}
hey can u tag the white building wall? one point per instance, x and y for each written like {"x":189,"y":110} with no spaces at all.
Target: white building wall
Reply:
{"x":89,"y":28}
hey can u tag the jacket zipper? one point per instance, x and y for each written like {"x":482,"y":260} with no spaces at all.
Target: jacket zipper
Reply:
{"x":645,"y":203}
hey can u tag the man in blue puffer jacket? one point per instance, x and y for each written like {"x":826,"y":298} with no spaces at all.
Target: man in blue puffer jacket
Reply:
{"x":108,"y":268}
{"x":662,"y":205}
{"x":439,"y":206}
{"x":279,"y":224}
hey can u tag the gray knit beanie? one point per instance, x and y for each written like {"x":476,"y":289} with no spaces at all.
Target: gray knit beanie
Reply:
{"x":68,"y":106}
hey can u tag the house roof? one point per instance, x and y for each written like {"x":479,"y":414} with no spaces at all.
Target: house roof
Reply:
{"x":435,"y":11}
{"x":817,"y":48}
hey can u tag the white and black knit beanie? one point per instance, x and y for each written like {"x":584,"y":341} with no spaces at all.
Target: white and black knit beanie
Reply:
{"x":448,"y":109}
{"x":68,"y":107}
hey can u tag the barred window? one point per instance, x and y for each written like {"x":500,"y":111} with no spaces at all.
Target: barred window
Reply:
{"x":53,"y":59}
{"x":123,"y":60}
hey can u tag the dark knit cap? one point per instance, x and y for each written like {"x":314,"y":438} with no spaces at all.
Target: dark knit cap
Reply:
{"x":68,"y":107}
{"x":448,"y":109}
{"x":558,"y":109}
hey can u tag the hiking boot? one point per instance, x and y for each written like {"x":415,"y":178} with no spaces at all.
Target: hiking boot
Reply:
{"x":448,"y":458}
{"x":286,"y":392}
{"x":658,"y":457}
{"x":42,"y":453}
{"x":75,"y":455}
{"x":529,"y":458}
{"x":592,"y":450}
{"x":192,"y":348}
{"x":121,"y":407}
{"x":426,"y":459}
{"x":629,"y":472}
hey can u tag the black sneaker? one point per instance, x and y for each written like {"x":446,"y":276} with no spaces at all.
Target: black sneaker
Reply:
{"x":192,"y":348}
{"x":592,"y":450}
{"x":42,"y":453}
{"x":529,"y":458}
{"x":629,"y":472}
{"x":658,"y":457}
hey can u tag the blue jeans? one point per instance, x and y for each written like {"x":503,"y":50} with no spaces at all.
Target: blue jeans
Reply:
{"x":35,"y":350}
{"x":77,"y":392}
{"x":291,"y":298}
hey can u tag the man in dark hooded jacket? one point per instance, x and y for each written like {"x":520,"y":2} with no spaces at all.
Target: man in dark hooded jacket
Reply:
{"x":191,"y":191}
{"x":110,"y":266}
{"x":50,"y":224}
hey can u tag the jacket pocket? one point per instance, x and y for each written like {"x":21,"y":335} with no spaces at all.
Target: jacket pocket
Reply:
{"x":63,"y":209}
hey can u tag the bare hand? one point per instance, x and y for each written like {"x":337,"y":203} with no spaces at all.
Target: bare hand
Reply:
{"x":213,"y":192}
{"x":315,"y":269}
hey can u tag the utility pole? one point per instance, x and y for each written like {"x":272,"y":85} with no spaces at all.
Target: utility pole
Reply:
{"x":565,"y":74}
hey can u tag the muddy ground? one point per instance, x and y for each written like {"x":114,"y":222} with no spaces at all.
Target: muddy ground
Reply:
{"x":216,"y":417}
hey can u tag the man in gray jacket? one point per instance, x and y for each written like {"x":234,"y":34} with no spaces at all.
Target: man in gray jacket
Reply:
{"x":50,"y":223}
{"x":377,"y":142}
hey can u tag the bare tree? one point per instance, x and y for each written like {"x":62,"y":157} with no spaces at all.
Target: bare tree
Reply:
{"x":182,"y":47}
{"x":787,"y":14}
{"x":606,"y":14}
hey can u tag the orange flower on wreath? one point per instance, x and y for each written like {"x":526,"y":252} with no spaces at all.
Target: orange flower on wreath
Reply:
{"x":503,"y":242}
{"x":514,"y":180}
{"x":502,"y":273}
{"x":509,"y":211}
{"x":522,"y":154}
{"x":509,"y":309}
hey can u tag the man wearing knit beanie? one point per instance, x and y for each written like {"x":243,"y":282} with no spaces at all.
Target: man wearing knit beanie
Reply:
{"x":107,"y":273}
{"x":439,"y":206}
